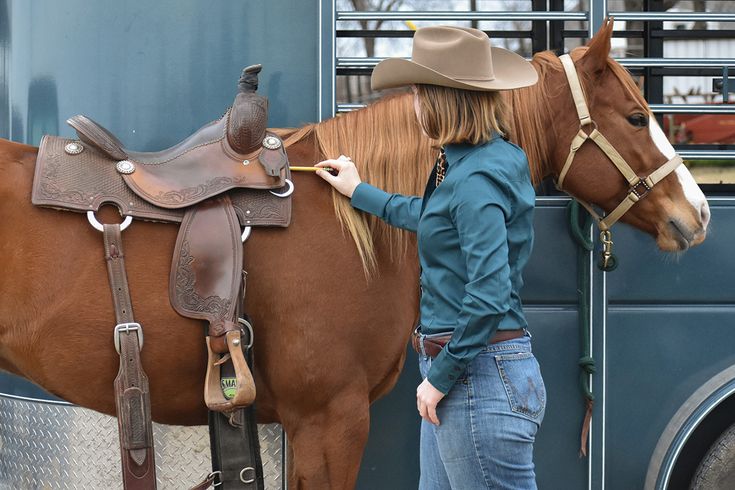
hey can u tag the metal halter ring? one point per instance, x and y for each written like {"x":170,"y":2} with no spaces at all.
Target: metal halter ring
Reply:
{"x":288,"y":192}
{"x":246,"y":233}
{"x":216,"y":474}
{"x":100,"y":227}
{"x":643,"y":193}
{"x":242,"y":475}
{"x":247,"y":325}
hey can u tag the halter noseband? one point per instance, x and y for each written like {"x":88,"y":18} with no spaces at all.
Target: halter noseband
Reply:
{"x":638,"y":188}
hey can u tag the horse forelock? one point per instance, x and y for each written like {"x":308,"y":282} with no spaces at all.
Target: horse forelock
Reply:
{"x":618,"y":71}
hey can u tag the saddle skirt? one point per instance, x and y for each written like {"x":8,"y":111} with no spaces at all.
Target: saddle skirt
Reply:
{"x":85,"y":181}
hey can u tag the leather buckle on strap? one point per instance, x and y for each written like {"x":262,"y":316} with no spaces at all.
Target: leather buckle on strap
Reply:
{"x":127,"y":328}
{"x":635,"y":188}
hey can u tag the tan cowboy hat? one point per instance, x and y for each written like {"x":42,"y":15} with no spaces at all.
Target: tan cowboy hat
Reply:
{"x":458,"y":57}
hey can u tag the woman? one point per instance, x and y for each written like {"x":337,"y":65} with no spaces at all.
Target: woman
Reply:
{"x":482,"y":398}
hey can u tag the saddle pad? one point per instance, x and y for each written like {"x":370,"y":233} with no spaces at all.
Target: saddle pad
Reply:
{"x":86,"y":181}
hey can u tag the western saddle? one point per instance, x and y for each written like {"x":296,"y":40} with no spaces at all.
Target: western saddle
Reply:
{"x":229,"y":174}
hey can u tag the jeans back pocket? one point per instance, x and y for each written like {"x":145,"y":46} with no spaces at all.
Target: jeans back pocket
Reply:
{"x":521,"y":377}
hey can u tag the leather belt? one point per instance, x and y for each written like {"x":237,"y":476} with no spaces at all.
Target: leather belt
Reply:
{"x":434,"y":345}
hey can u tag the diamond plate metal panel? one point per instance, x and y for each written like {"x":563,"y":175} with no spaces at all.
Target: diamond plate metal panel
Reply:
{"x":47,"y":445}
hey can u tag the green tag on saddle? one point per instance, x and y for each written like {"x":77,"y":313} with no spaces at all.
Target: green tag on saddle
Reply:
{"x":229,"y":387}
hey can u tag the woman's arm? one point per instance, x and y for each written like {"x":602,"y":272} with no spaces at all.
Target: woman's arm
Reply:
{"x":395,"y":209}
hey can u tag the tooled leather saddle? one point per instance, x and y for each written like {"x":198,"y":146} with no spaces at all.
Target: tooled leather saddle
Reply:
{"x":229,"y":174}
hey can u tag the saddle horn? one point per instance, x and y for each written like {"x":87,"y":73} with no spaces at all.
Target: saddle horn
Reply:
{"x":249,"y":113}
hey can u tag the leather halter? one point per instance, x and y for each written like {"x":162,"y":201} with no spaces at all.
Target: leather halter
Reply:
{"x":638,"y":188}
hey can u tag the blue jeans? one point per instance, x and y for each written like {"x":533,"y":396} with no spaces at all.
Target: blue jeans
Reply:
{"x":488,"y":422}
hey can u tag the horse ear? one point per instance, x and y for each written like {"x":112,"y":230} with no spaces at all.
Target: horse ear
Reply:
{"x":598,"y":50}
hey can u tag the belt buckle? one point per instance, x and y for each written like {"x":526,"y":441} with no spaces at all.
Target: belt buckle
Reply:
{"x":418,"y":341}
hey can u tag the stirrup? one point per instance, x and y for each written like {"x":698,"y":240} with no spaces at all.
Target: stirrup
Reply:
{"x":245,"y":389}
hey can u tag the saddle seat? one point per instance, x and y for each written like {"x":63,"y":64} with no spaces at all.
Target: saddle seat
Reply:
{"x":94,"y":134}
{"x":235,"y":151}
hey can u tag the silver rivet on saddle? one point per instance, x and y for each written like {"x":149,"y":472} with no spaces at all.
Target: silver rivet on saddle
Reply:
{"x":74,"y":148}
{"x":272,"y":143}
{"x":125,"y":167}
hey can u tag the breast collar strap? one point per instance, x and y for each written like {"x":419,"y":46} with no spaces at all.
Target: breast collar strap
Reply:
{"x":638,"y":187}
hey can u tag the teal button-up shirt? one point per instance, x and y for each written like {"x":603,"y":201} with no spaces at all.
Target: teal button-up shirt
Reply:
{"x":474,"y":238}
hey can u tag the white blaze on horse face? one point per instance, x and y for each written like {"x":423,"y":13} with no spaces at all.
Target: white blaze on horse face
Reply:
{"x":658,"y":136}
{"x":692,"y":192}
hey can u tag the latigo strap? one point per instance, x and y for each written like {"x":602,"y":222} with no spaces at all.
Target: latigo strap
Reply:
{"x":132,"y":396}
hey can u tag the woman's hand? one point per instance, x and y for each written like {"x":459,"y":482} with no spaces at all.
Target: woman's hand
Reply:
{"x":427,"y":397}
{"x":347,"y":177}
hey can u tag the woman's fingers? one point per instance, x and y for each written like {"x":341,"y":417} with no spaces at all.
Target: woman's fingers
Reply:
{"x":347,"y":177}
{"x":428,"y":412}
{"x":427,"y":398}
{"x":431,"y":413}
{"x":338,"y":164}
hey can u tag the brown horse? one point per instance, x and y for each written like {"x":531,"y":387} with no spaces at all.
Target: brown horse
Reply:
{"x":332,"y":319}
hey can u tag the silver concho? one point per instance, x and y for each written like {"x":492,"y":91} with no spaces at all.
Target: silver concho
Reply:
{"x":74,"y":148}
{"x":125,"y":167}
{"x":272,"y":143}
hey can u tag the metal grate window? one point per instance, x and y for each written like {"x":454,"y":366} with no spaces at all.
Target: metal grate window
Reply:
{"x":679,"y":51}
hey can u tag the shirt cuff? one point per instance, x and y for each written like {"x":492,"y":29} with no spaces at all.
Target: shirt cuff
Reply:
{"x":369,"y":199}
{"x":445,"y":371}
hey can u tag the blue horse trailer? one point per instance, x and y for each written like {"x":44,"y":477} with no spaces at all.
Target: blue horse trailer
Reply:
{"x":652,"y":341}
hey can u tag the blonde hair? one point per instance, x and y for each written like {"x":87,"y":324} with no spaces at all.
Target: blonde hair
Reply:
{"x":451,"y":115}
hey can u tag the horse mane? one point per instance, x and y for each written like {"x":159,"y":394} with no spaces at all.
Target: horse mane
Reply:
{"x":529,"y":110}
{"x":391,"y":152}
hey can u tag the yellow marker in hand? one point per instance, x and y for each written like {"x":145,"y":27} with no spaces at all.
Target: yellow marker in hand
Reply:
{"x":310,"y":169}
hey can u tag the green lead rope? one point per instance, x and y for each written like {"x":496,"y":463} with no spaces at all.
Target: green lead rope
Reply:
{"x":580,"y":233}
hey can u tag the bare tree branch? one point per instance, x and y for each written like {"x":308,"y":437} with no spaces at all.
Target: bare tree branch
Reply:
{"x":373,"y":6}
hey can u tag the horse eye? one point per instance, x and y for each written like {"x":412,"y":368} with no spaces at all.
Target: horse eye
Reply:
{"x":638,"y":120}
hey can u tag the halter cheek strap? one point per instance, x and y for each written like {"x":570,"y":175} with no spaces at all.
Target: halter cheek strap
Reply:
{"x":638,"y":187}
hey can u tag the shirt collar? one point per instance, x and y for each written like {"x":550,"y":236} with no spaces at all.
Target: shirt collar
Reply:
{"x":456,"y":151}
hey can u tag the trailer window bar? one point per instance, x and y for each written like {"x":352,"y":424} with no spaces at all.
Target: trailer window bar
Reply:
{"x":414,"y":15}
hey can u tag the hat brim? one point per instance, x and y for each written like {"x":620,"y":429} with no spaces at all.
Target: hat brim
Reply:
{"x":511,"y":71}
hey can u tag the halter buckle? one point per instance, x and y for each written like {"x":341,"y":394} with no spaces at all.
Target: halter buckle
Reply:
{"x":607,"y":245}
{"x":640,"y":193}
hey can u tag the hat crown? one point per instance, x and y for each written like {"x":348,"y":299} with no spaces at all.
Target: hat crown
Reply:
{"x":461,"y":53}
